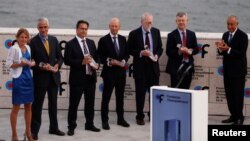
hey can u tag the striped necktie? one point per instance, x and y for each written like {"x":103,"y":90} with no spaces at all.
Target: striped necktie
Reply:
{"x":116,"y":46}
{"x":86,"y":52}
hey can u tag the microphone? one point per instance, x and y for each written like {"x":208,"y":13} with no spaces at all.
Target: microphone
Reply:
{"x":181,"y":66}
{"x":188,"y":68}
{"x":184,"y":73}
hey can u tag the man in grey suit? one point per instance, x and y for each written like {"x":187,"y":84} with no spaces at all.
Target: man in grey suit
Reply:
{"x":46,"y":52}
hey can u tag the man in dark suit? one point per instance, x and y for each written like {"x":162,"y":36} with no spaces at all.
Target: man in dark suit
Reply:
{"x":80,"y":53}
{"x":113,"y":52}
{"x":181,"y":46}
{"x":233,"y":47}
{"x":145,"y":46}
{"x":47,"y":55}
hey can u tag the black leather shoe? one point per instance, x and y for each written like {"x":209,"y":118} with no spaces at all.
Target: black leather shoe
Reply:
{"x":71,"y":132}
{"x":34,"y":136}
{"x":57,"y":132}
{"x":229,"y":120}
{"x":105,"y":126}
{"x":140,"y":122}
{"x":238,"y":122}
{"x":92,"y":128}
{"x":123,"y":123}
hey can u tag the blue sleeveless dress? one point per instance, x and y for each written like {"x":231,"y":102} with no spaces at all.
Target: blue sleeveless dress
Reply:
{"x":23,"y":90}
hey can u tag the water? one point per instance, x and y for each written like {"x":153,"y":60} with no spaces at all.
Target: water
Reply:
{"x":204,"y":15}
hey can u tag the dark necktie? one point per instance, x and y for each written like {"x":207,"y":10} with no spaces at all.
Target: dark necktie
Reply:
{"x":116,"y":46}
{"x":184,"y":44}
{"x":86,"y":52}
{"x":84,"y":47}
{"x":147,"y":42}
{"x":184,"y":40}
{"x":230,"y":38}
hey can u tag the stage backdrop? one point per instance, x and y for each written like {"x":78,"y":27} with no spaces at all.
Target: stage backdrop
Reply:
{"x":208,"y":72}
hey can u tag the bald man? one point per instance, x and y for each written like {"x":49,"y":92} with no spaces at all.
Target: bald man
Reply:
{"x":233,"y":47}
{"x":113,"y":52}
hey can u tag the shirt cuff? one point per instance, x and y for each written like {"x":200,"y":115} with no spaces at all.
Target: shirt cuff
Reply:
{"x":229,"y":50}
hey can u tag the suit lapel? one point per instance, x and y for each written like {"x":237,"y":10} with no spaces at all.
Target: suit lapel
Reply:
{"x":89,"y":47}
{"x":227,"y":36}
{"x":178,"y":36}
{"x":188,"y":37}
{"x":50,"y":48}
{"x":120,"y":45}
{"x":78,"y":46}
{"x":140,"y":36}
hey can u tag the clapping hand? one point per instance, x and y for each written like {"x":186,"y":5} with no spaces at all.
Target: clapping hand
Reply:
{"x":221,"y":45}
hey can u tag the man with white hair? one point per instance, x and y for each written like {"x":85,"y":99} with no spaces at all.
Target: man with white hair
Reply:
{"x":233,"y":48}
{"x":145,"y":46}
{"x":47,"y":55}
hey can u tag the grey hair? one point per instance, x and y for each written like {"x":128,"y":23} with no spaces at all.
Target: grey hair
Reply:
{"x":181,"y":14}
{"x":146,"y":14}
{"x":43,"y":19}
{"x":233,"y":16}
{"x":114,"y":19}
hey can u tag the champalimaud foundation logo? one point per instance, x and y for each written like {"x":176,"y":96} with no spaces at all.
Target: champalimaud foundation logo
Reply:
{"x":247,"y":92}
{"x":8,"y":43}
{"x":8,"y":85}
{"x":220,"y":71}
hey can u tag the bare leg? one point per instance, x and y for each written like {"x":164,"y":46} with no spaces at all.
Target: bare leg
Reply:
{"x":13,"y":121}
{"x":27,"y":117}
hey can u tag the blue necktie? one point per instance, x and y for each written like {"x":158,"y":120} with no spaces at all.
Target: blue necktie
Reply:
{"x":116,"y":46}
{"x":230,"y":38}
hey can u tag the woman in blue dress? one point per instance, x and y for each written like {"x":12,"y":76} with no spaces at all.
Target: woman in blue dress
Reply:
{"x":22,"y":92}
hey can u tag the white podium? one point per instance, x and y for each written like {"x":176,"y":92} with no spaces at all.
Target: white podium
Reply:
{"x":178,"y":114}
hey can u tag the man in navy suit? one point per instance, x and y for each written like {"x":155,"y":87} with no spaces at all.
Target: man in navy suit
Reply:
{"x":181,"y":46}
{"x":113,"y":52}
{"x":233,"y":47}
{"x":80,"y":53}
{"x":145,"y":46}
{"x":47,"y":55}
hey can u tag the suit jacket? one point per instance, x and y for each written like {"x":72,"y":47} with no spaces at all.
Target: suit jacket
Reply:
{"x":136,"y":45}
{"x":174,"y":58}
{"x":73,"y":57}
{"x":235,"y":63}
{"x":106,"y":50}
{"x":39,"y":54}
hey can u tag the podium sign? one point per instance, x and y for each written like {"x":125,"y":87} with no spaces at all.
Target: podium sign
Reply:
{"x":173,"y":113}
